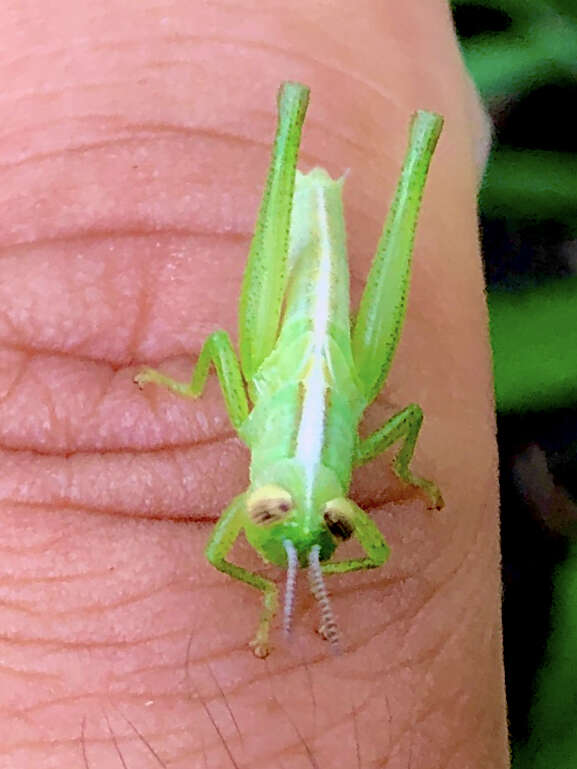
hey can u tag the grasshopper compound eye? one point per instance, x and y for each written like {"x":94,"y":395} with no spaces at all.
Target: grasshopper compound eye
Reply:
{"x":269,"y":504}
{"x":338,"y":516}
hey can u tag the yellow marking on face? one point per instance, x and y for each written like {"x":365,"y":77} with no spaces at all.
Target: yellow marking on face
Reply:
{"x":269,"y":504}
{"x":338,"y":516}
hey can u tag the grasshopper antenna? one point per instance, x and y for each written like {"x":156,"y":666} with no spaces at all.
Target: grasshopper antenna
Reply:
{"x":328,"y":627}
{"x":290,"y":587}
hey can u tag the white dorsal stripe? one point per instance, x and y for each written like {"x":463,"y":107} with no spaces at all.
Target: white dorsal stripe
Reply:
{"x":310,"y":436}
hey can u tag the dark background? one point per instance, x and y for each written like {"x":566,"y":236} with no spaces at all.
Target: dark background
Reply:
{"x":522,"y":55}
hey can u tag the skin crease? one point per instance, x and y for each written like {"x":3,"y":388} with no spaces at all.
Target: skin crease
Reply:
{"x":135,"y":139}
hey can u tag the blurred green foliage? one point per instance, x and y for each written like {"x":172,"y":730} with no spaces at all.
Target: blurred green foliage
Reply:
{"x":531,"y":184}
{"x":534,"y":340}
{"x":533,"y":42}
{"x":552,"y":743}
{"x":537,"y":46}
{"x":519,"y":47}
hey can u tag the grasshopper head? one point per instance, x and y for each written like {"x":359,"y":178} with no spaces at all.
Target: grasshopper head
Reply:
{"x":274,"y":515}
{"x":298,"y":530}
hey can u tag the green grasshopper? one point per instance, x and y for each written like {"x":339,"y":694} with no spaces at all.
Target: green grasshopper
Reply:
{"x":309,"y":378}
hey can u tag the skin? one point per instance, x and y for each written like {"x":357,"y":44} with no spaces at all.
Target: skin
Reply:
{"x":135,"y":141}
